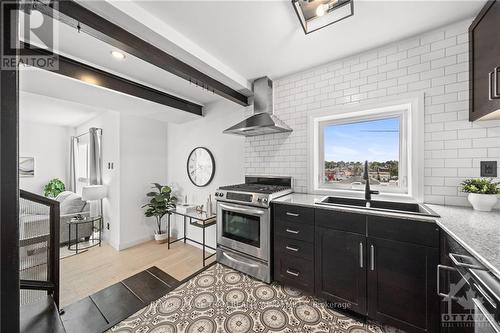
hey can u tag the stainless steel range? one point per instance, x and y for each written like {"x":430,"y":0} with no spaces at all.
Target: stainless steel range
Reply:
{"x":244,"y":223}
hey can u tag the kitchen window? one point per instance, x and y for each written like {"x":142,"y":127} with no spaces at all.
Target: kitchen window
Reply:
{"x":387,"y":137}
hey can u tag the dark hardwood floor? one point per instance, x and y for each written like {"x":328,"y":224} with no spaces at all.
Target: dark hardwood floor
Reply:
{"x":104,"y":309}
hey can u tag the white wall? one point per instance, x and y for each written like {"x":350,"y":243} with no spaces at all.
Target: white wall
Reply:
{"x":228,"y":152}
{"x":110,"y":123}
{"x":49,"y":145}
{"x":435,"y":63}
{"x":137,"y":147}
{"x":143,"y":157}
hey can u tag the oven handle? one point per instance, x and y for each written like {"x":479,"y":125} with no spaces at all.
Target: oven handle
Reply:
{"x":485,"y":313}
{"x":240,"y":209}
{"x":239,"y":261}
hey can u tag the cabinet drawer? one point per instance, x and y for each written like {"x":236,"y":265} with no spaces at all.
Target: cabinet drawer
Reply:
{"x":292,"y":230}
{"x":294,"y":271}
{"x":297,"y":214}
{"x":294,"y":247}
{"x":402,"y":230}
{"x":344,"y":221}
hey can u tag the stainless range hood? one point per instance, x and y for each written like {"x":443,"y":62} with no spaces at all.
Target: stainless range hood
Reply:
{"x":263,"y":121}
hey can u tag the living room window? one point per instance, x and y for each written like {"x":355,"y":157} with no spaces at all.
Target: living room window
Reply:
{"x":382,"y":136}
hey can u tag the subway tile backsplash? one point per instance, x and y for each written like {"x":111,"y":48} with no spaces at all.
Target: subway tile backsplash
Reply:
{"x":435,"y":63}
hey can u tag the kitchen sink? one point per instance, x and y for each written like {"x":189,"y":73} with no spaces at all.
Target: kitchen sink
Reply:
{"x":379,"y":205}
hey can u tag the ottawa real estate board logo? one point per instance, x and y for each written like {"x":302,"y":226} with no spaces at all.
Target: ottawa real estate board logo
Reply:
{"x":461,"y":309}
{"x":30,"y":34}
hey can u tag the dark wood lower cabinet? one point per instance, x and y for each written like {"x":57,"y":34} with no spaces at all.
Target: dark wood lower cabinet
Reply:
{"x":402,"y":285}
{"x":340,"y":260}
{"x":384,"y":268}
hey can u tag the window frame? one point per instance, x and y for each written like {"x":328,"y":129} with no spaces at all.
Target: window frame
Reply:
{"x":410,"y":110}
{"x":403,"y":153}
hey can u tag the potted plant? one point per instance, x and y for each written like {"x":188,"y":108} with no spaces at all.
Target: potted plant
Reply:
{"x":161,"y":202}
{"x":482,"y":193}
{"x":53,"y":188}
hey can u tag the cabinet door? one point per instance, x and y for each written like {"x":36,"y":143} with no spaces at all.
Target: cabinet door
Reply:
{"x":340,"y":260}
{"x":485,"y":57}
{"x":402,"y":285}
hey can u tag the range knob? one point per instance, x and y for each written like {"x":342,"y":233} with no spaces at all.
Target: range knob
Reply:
{"x":259,"y":199}
{"x":264,"y":200}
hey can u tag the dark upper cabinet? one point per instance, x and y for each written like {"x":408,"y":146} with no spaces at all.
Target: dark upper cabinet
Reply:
{"x":340,"y":261}
{"x":402,"y":285}
{"x":484,"y":71}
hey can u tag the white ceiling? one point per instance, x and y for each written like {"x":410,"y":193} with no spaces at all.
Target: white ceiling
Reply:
{"x":46,"y":83}
{"x":49,"y":110}
{"x":257,"y":38}
{"x":92,"y":51}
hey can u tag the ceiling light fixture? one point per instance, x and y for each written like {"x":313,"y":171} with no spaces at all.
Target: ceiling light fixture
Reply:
{"x":316,"y":14}
{"x":321,"y":10}
{"x":118,"y":55}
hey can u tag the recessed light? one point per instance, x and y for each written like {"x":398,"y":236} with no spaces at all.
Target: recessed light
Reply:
{"x":118,"y":55}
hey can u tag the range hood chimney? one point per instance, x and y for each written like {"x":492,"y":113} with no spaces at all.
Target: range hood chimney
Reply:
{"x":263,"y":121}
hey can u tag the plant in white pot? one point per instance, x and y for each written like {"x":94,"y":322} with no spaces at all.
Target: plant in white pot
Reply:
{"x":161,"y":202}
{"x":482,"y":193}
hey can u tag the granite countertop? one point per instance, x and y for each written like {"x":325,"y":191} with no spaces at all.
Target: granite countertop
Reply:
{"x":478,"y":232}
{"x":311,"y":200}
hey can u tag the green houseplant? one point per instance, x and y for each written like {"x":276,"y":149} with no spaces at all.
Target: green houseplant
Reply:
{"x":53,"y":188}
{"x":162,"y":200}
{"x":482,"y":193}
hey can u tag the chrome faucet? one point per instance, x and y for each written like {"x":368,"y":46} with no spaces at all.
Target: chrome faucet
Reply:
{"x":368,"y":192}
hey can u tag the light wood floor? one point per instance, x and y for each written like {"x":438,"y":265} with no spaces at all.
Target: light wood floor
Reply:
{"x":88,"y":272}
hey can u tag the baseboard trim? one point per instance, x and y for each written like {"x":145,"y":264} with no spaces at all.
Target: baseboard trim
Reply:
{"x":126,"y":245}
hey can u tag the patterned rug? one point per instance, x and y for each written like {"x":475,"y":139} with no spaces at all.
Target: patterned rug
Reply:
{"x":223,"y":300}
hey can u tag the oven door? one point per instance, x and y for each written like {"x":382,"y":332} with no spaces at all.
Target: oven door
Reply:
{"x":244,"y":228}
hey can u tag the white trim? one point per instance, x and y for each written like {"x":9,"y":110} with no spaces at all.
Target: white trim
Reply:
{"x":414,"y":108}
{"x":134,"y":242}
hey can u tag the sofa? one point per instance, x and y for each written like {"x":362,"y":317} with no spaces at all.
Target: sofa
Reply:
{"x":34,"y":227}
{"x":34,"y":218}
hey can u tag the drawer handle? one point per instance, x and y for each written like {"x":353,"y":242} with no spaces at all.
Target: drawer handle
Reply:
{"x":491,"y":320}
{"x":485,"y":295}
{"x":292,"y":214}
{"x":372,"y":257}
{"x":454,"y":256}
{"x":292,"y":273}
{"x":493,"y":91}
{"x":361,"y":254}
{"x":447,"y":268}
{"x":291,"y":231}
{"x":292,"y":248}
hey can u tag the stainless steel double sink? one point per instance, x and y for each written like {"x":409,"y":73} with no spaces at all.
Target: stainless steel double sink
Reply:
{"x":378,"y":205}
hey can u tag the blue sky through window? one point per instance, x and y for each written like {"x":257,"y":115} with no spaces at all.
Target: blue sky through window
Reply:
{"x":373,"y":140}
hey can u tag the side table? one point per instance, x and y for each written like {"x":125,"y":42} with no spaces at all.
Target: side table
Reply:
{"x":75,"y":223}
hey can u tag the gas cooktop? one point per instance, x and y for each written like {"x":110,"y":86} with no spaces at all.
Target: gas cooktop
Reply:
{"x":256,"y":190}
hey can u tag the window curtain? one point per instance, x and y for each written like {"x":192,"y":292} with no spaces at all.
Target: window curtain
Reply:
{"x":95,"y":156}
{"x":72,"y":163}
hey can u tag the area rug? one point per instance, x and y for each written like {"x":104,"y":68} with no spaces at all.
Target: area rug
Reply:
{"x":221,"y":299}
